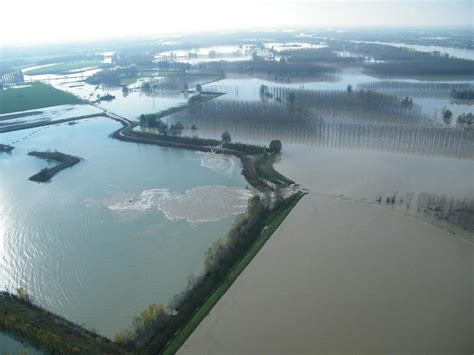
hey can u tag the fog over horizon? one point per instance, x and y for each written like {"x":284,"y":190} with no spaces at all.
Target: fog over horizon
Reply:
{"x":57,"y":21}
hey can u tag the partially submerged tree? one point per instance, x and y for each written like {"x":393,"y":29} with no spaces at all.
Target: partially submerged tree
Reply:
{"x":226,"y":137}
{"x":447,"y":116}
{"x":275,"y":146}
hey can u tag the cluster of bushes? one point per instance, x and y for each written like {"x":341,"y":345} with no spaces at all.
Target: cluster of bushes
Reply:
{"x":465,"y":119}
{"x":19,"y":317}
{"x":145,"y":326}
{"x":40,"y":337}
{"x":453,"y":210}
{"x":151,"y":120}
{"x":246,"y":148}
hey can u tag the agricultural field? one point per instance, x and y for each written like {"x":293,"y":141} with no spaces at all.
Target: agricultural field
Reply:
{"x":33,"y":96}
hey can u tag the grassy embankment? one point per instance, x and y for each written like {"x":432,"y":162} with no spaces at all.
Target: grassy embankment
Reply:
{"x":272,"y":222}
{"x":62,"y":68}
{"x":48,"y":331}
{"x":32,"y":96}
{"x":65,"y":161}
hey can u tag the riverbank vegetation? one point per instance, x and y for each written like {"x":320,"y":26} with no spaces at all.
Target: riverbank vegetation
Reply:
{"x":162,"y":329}
{"x":47,"y":331}
{"x":65,"y":161}
{"x":32,"y":96}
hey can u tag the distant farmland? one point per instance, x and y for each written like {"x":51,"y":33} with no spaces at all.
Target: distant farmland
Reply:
{"x":33,"y":96}
{"x":61,"y":68}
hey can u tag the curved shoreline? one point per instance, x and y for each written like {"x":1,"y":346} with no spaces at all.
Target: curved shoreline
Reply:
{"x":257,"y":168}
{"x":28,"y":322}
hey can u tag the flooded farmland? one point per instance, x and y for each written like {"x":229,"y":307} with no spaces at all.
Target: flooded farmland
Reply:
{"x":353,"y":278}
{"x":113,"y":217}
{"x":360,"y":242}
{"x":348,"y":274}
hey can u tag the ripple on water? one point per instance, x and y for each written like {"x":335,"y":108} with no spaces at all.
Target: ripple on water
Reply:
{"x":199,"y":204}
{"x":221,"y":164}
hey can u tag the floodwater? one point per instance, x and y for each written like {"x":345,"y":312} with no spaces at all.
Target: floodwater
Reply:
{"x":248,"y":89}
{"x":130,"y":104}
{"x":342,"y":277}
{"x":452,"y":51}
{"x":46,"y":115}
{"x":207,"y":54}
{"x":344,"y":273}
{"x":8,"y":345}
{"x":115,"y":233}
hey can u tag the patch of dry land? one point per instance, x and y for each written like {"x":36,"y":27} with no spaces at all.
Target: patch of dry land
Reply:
{"x":349,"y":277}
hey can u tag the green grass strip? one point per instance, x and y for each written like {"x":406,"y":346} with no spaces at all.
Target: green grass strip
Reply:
{"x":32,"y":96}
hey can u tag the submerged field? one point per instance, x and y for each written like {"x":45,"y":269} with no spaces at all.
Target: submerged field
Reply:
{"x":32,"y":96}
{"x":377,"y":257}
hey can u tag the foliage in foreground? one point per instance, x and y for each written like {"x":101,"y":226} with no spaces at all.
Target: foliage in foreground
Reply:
{"x":22,"y":319}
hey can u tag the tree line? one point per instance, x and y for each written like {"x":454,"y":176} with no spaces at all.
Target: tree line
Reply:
{"x":355,"y":103}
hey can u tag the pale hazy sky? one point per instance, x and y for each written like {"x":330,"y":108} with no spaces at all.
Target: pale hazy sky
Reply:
{"x":33,"y":21}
